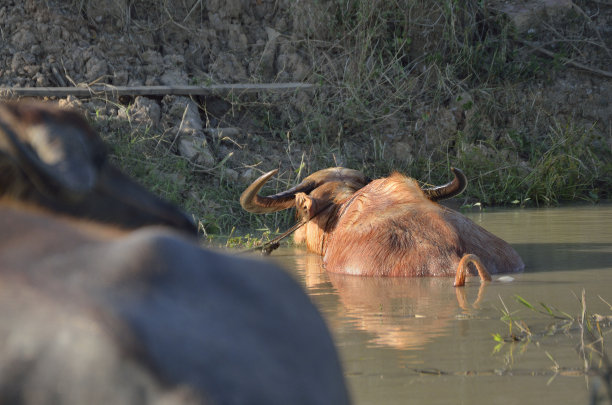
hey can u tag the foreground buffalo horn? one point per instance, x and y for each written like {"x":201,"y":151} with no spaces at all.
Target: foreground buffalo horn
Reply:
{"x":252,"y":202}
{"x":51,"y":158}
{"x":448,"y":190}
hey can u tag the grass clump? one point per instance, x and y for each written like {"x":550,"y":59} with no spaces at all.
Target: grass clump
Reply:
{"x":448,"y":84}
{"x":565,"y":165}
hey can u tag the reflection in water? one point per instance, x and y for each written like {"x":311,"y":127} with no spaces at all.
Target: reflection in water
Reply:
{"x":404,"y":313}
{"x":387,"y":328}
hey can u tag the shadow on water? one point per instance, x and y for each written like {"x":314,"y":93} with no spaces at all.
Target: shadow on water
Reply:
{"x":542,"y":257}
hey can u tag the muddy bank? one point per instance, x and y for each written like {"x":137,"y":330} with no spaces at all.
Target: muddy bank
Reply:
{"x":414,"y":86}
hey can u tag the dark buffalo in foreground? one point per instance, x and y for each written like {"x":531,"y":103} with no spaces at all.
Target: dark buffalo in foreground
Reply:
{"x":386,"y":227}
{"x":97,"y":314}
{"x":51,"y":157}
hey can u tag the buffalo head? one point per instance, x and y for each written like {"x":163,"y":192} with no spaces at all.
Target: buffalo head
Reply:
{"x":52,"y":158}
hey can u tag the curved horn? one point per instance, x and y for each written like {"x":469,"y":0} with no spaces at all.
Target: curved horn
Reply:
{"x":252,"y":202}
{"x":448,"y":190}
{"x":257,"y":204}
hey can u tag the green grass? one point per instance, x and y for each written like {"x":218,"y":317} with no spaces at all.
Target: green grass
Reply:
{"x":565,"y":165}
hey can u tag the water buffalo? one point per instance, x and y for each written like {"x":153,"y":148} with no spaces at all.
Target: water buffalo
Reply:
{"x":386,"y":227}
{"x":95,"y":313}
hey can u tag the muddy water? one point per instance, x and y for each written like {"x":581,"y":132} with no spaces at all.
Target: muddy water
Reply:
{"x":421,"y":341}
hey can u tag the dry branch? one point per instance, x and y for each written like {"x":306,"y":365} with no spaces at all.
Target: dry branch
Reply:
{"x":570,"y":62}
{"x":117,"y":91}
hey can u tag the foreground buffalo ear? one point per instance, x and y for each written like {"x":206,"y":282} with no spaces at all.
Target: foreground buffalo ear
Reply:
{"x":55,"y":149}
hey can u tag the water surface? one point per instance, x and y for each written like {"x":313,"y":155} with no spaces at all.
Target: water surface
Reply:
{"x":418,"y":341}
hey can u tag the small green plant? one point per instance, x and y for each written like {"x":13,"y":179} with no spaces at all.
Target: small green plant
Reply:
{"x":590,"y":328}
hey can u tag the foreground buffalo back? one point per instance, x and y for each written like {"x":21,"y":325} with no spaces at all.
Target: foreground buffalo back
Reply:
{"x":391,"y":228}
{"x":90,"y":315}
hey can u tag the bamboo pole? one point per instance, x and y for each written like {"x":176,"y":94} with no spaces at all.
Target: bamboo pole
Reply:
{"x":117,"y":91}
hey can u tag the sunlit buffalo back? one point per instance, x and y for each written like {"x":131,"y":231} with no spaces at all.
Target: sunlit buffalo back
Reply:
{"x":391,"y":228}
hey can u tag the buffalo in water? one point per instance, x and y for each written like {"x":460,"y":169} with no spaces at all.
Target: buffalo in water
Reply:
{"x":386,"y":227}
{"x":98,"y":307}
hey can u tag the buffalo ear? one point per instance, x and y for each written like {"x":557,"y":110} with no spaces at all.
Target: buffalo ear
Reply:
{"x":304,"y":206}
{"x":55,"y":149}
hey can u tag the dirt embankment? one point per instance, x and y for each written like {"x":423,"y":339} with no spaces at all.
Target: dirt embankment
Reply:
{"x":411,"y":85}
{"x":145,"y":42}
{"x":152,"y":43}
